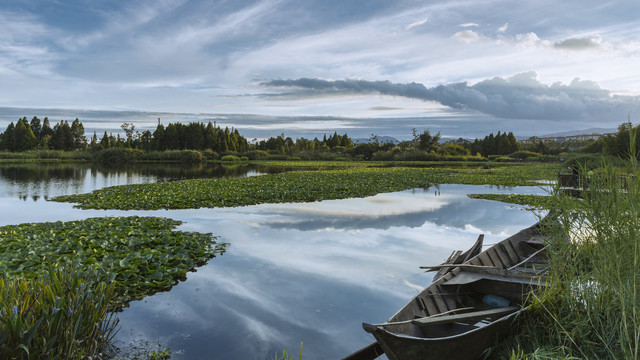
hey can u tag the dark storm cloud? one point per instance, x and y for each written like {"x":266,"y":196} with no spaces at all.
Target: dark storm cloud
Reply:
{"x":521,"y":96}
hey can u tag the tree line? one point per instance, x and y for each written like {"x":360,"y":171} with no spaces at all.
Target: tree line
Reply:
{"x":68,"y":136}
{"x":25,"y":135}
{"x":35,"y":134}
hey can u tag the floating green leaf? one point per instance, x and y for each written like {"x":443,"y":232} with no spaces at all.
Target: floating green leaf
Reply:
{"x":141,"y":254}
{"x":299,"y":186}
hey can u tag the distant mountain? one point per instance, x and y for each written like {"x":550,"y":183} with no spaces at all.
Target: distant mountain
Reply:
{"x":382,"y":139}
{"x":580,"y":132}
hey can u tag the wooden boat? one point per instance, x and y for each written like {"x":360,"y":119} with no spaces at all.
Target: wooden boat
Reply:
{"x":469,"y":308}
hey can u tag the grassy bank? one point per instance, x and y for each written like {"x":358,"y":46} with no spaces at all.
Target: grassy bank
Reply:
{"x":591,"y":309}
{"x":299,"y":186}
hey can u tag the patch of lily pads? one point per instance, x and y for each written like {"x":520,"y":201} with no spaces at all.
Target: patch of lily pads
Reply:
{"x":539,"y":202}
{"x":141,"y":255}
{"x":298,"y":186}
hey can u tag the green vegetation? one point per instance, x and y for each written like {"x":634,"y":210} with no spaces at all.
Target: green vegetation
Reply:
{"x":285,"y":356}
{"x":230,"y":158}
{"x":56,"y":314}
{"x":141,"y":255}
{"x":531,"y":201}
{"x":297,"y":186}
{"x":591,"y":306}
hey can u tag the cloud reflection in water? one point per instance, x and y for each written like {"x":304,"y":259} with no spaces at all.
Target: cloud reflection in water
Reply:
{"x":313,"y":271}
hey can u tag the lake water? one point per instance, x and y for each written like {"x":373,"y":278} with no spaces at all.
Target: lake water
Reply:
{"x":309,"y":272}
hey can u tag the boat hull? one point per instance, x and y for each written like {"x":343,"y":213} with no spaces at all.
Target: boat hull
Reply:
{"x":465,"y":346}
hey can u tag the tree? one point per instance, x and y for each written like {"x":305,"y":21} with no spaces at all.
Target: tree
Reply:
{"x":7,"y":138}
{"x":158,"y":141}
{"x":36,"y":127}
{"x":426,"y":141}
{"x":23,"y":138}
{"x":128,"y":130}
{"x":45,"y":134}
{"x":77,"y":134}
{"x":105,"y":141}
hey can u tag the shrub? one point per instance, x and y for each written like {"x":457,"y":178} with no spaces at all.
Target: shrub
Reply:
{"x":524,"y":154}
{"x":230,"y":158}
{"x":210,"y":154}
{"x":115,"y":156}
{"x":255,"y":154}
{"x":190,"y":156}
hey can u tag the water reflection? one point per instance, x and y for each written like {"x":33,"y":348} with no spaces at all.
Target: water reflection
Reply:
{"x":35,"y":180}
{"x":306,"y":271}
{"x":313,"y":272}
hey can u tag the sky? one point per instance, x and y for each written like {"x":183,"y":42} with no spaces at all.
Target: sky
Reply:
{"x":303,"y":68}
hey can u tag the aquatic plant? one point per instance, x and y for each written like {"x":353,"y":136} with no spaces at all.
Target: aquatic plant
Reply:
{"x":141,"y":255}
{"x":540,"y":202}
{"x":56,"y":315}
{"x":296,"y":186}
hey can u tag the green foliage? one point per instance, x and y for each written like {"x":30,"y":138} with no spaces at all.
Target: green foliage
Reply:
{"x":141,"y":254}
{"x":285,"y":356}
{"x":255,"y":154}
{"x":524,"y":154}
{"x":619,"y":144}
{"x":591,"y":307}
{"x":299,"y":186}
{"x":209,"y":154}
{"x":587,"y":161}
{"x":57,"y":314}
{"x":163,"y":354}
{"x":230,"y":158}
{"x":545,"y":202}
{"x":500,"y":144}
{"x":425,"y":141}
{"x":118,"y":156}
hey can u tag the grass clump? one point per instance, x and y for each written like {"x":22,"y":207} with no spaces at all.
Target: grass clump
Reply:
{"x":56,"y":315}
{"x":231,"y":158}
{"x":591,"y":308}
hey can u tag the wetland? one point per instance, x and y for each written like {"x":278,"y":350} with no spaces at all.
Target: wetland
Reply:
{"x":311,"y":266}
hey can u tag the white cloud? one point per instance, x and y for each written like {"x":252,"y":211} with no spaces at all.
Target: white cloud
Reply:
{"x":417,"y":23}
{"x":466,"y":25}
{"x":467,"y":36}
{"x":531,"y":40}
{"x":503,"y":28}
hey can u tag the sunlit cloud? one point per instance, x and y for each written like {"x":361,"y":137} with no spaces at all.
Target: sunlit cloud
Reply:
{"x":467,"y":36}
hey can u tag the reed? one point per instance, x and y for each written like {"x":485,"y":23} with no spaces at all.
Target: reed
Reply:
{"x":56,"y":315}
{"x":286,"y":356}
{"x":591,"y":308}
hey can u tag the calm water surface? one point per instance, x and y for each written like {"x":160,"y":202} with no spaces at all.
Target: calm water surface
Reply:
{"x":312,"y":272}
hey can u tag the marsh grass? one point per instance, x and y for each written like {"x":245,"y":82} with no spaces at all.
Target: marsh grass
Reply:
{"x":57,"y":315}
{"x":286,"y":356}
{"x":591,"y":308}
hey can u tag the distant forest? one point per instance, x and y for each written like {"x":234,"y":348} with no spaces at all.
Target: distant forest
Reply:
{"x":27,"y":135}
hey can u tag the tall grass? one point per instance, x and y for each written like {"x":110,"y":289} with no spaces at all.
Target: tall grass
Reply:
{"x":57,"y":315}
{"x":591,"y":309}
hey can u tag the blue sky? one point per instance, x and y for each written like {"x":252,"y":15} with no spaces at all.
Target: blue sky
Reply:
{"x":465,"y":68}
